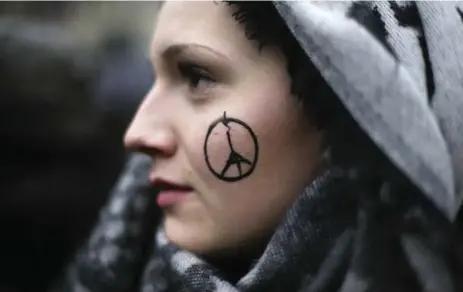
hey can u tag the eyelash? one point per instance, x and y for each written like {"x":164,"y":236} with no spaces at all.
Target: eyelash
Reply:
{"x":195,"y":75}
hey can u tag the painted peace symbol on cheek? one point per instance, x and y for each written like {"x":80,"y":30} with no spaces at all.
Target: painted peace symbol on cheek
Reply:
{"x":237,"y":166}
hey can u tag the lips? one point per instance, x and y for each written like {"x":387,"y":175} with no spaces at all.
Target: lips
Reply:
{"x":170,"y":193}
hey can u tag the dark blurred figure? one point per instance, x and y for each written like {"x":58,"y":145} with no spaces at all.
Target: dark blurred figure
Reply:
{"x":125,"y":75}
{"x":40,"y":10}
{"x":60,"y":155}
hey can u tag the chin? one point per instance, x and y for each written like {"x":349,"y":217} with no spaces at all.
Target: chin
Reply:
{"x":191,"y":237}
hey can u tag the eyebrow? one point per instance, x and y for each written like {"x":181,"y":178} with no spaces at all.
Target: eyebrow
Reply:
{"x":174,"y":50}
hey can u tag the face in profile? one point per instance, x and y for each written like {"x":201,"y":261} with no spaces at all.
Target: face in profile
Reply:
{"x":231,"y":147}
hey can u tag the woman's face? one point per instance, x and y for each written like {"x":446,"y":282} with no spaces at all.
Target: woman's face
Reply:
{"x":220,"y":120}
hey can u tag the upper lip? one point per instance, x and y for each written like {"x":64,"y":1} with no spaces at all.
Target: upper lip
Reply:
{"x":165,"y":184}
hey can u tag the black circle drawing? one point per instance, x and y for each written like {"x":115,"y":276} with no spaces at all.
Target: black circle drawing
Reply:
{"x":234,"y":157}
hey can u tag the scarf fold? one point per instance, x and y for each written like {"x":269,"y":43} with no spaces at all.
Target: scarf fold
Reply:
{"x":332,"y":239}
{"x":112,"y":258}
{"x":305,"y":233}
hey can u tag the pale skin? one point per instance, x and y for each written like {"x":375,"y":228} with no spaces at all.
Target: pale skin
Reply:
{"x":204,"y":66}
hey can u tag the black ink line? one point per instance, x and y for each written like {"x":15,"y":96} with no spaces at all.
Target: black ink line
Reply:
{"x":234,"y":157}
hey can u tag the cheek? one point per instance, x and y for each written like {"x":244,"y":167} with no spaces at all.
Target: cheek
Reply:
{"x":227,"y":149}
{"x":261,"y":125}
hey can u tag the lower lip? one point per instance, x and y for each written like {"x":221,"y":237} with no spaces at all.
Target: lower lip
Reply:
{"x":168,"y":198}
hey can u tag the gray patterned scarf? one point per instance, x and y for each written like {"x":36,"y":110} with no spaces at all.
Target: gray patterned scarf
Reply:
{"x":112,"y":259}
{"x":329,"y":241}
{"x":396,"y":66}
{"x":304,"y":234}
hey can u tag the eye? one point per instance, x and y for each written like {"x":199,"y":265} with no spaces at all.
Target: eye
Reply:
{"x":195,"y":75}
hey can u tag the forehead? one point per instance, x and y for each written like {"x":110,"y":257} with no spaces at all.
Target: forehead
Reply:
{"x":206,"y":23}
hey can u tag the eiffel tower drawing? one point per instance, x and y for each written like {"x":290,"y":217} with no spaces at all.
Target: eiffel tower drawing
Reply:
{"x":234,"y":158}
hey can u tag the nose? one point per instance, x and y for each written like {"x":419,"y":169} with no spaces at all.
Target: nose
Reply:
{"x":149,"y":132}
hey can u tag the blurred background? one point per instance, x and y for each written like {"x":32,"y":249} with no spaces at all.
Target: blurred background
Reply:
{"x":71,"y":76}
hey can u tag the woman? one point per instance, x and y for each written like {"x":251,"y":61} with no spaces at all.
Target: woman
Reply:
{"x":295,"y":146}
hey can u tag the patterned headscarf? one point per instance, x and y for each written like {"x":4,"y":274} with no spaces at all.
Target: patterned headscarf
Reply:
{"x":403,"y":84}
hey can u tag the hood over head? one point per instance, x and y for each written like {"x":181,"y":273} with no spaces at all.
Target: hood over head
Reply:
{"x":402,"y":85}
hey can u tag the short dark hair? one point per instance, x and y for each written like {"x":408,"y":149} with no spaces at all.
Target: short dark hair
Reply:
{"x":384,"y":196}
